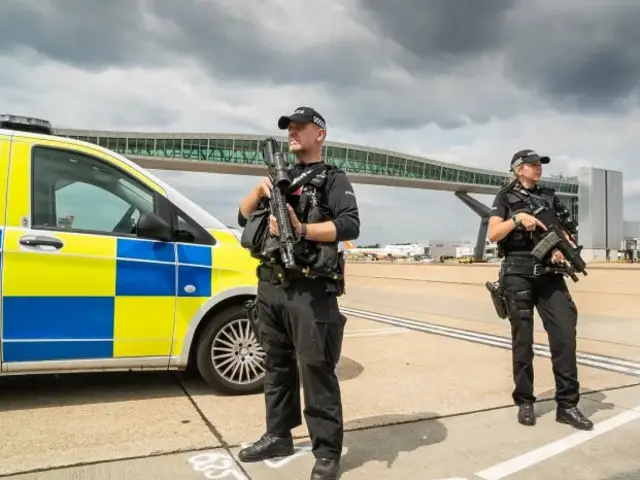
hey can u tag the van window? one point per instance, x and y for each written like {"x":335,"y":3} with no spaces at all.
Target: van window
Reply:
{"x":72,"y":191}
{"x":188,"y":231}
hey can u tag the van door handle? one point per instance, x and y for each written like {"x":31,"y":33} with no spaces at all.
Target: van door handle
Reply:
{"x":41,"y":241}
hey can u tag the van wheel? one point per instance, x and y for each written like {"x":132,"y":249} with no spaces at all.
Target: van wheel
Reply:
{"x":228,"y":355}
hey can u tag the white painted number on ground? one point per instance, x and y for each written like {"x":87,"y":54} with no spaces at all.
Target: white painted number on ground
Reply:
{"x":221,"y":466}
{"x":216,"y":465}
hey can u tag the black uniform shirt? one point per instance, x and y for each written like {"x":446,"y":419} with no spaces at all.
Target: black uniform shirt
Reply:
{"x":518,"y":241}
{"x":340,"y":203}
{"x":500,"y":206}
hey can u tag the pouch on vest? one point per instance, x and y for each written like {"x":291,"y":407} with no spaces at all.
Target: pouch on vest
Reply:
{"x":255,"y":230}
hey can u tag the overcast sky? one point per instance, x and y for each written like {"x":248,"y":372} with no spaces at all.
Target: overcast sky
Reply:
{"x":463,"y":81}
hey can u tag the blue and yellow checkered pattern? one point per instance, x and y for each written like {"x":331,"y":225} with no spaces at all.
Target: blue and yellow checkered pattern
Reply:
{"x":100,"y":297}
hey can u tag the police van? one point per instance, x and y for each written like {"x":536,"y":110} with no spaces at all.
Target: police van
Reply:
{"x":106,"y":267}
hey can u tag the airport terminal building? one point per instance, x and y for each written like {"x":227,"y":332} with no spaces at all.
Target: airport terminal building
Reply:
{"x":601,"y":213}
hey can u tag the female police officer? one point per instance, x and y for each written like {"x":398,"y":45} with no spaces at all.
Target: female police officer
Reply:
{"x":526,"y":285}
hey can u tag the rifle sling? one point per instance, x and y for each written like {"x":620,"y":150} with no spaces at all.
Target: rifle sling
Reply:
{"x":307,"y":176}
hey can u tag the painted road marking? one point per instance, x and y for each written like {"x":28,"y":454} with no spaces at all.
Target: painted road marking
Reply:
{"x":601,"y":362}
{"x":215,"y":465}
{"x":374,"y":332}
{"x":545,"y":452}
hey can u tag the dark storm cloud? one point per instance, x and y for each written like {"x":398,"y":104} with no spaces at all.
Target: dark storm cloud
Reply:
{"x":99,"y":34}
{"x":441,"y":30}
{"x":89,"y":35}
{"x":589,"y":55}
{"x":582,"y":57}
{"x":235,"y":49}
{"x":576,"y":51}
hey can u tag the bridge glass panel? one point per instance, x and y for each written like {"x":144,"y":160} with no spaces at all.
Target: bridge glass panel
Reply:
{"x":465,"y":176}
{"x":482,"y":179}
{"x":246,"y":152}
{"x":449,"y":174}
{"x":415,"y":169}
{"x":220,"y":150}
{"x":356,"y":160}
{"x":193,"y":150}
{"x":376,"y":164}
{"x":433,"y":172}
{"x":396,"y":166}
{"x":353,"y":162}
{"x":337,"y":156}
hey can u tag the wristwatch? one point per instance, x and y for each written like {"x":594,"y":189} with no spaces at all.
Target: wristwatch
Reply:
{"x":303,"y":230}
{"x":515,"y":220}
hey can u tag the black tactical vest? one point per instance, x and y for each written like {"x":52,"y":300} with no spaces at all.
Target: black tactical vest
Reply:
{"x":309,"y":203}
{"x":308,"y":200}
{"x":519,"y":241}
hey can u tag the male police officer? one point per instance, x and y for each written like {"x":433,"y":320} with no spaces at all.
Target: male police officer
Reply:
{"x":299,"y":316}
{"x":526,"y":284}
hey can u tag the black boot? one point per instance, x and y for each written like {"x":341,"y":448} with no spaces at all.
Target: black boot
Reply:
{"x":269,"y":446}
{"x":526,"y":414}
{"x":574,"y":417}
{"x":325,"y":469}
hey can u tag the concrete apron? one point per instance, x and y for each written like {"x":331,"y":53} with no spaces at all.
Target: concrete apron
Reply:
{"x":607,"y":325}
{"x":409,"y":402}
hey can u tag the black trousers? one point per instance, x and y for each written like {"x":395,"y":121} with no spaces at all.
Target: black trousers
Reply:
{"x":551,"y":297}
{"x":302,"y":330}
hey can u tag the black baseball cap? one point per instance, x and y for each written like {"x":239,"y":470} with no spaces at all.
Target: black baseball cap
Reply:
{"x":527,"y":156}
{"x":302,"y":115}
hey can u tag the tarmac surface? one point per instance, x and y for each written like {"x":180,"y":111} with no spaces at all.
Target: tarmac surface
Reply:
{"x":426,"y":386}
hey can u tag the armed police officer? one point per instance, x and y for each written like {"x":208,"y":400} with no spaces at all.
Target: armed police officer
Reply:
{"x":526,"y":284}
{"x":299,"y":318}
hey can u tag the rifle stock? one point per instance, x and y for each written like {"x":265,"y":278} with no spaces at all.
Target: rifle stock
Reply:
{"x":277,"y":168}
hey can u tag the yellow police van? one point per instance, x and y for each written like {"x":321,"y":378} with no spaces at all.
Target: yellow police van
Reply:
{"x":106,"y":267}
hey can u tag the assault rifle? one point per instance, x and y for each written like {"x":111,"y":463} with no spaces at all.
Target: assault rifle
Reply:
{"x":557,"y":236}
{"x":278,"y":173}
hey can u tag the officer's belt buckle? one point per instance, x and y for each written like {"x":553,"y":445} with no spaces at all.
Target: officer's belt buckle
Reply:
{"x":537,"y":267}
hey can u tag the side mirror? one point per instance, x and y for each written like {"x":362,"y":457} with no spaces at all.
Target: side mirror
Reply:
{"x":153,"y":226}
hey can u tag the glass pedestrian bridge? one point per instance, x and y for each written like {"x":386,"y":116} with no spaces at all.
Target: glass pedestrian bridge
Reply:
{"x":379,"y":166}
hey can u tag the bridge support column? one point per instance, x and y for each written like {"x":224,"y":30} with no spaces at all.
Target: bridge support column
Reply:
{"x":478,"y":252}
{"x":483,"y":212}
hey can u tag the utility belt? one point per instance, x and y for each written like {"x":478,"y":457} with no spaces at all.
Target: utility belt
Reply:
{"x":278,"y":275}
{"x":513,"y":265}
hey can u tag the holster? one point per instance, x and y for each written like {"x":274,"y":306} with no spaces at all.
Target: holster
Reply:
{"x":251,"y":309}
{"x":341,"y":284}
{"x":498,"y":298}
